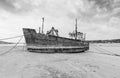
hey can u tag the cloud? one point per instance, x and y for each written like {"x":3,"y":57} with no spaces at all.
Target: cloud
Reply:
{"x":15,"y":6}
{"x":95,"y":16}
{"x":103,"y":4}
{"x":6,"y":4}
{"x":82,"y":9}
{"x":78,"y":8}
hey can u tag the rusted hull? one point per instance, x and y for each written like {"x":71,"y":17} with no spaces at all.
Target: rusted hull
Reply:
{"x":37,"y":42}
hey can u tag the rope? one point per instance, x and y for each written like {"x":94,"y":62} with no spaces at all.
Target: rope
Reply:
{"x":104,"y":49}
{"x":96,"y":48}
{"x":101,"y":51}
{"x":11,"y":38}
{"x":12,"y":47}
{"x":108,"y":52}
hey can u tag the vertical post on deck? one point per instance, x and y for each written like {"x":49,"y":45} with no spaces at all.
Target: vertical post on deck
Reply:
{"x":39,"y":29}
{"x":76,"y":29}
{"x":85,"y":36}
{"x":43,"y":25}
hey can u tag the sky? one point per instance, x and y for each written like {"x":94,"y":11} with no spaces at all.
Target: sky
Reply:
{"x":99,"y":19}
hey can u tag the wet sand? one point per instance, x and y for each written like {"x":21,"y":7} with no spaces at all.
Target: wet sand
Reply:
{"x":101,"y":61}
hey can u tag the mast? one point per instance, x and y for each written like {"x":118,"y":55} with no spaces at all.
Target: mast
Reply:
{"x":76,"y":29}
{"x":39,"y":29}
{"x":42,"y":24}
{"x":84,"y":36}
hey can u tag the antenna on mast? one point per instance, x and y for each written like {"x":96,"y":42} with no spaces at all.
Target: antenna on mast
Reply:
{"x":76,"y":29}
{"x":85,"y":36}
{"x":42,"y":24}
{"x":39,"y":29}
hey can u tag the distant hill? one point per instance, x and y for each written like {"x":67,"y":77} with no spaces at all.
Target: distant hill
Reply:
{"x":3,"y":42}
{"x":105,"y":41}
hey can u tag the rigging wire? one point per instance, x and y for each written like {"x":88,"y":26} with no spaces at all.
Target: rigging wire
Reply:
{"x":11,"y":37}
{"x":101,"y":49}
{"x":13,"y":46}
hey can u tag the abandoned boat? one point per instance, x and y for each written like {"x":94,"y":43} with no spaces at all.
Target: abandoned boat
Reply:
{"x":51,"y":42}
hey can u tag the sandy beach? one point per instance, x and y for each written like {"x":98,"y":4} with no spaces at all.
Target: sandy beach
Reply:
{"x":101,"y":61}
